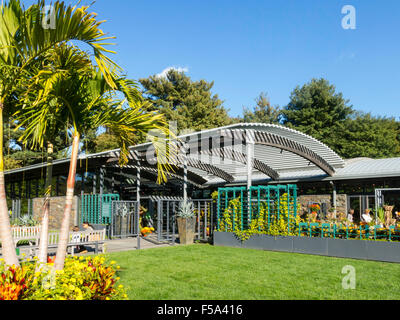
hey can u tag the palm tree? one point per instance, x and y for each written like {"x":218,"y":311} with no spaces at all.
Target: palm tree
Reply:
{"x":87,"y":101}
{"x":93,"y":107}
{"x":40,"y":107}
{"x":22,"y":41}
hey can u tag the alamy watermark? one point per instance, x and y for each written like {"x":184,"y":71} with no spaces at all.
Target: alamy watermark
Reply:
{"x":49,"y":17}
{"x":349,"y":21}
{"x":349,"y":280}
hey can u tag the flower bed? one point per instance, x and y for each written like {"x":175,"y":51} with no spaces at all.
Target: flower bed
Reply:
{"x":90,"y":278}
{"x":341,"y":248}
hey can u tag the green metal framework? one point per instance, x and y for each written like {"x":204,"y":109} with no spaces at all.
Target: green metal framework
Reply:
{"x":96,"y":208}
{"x":243,"y":205}
{"x":343,"y":231}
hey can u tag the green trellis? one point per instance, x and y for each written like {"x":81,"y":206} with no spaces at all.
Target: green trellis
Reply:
{"x":96,"y":208}
{"x":244,"y":205}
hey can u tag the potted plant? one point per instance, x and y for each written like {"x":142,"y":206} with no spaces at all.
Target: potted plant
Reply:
{"x":186,"y":222}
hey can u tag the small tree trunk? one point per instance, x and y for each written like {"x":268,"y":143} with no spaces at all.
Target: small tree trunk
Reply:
{"x":7,"y":242}
{"x":64,"y":232}
{"x":44,"y":232}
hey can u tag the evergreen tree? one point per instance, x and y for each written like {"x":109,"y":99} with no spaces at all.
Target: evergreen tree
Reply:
{"x":317,"y":110}
{"x":262,"y":112}
{"x":190,"y":103}
{"x":364,"y":135}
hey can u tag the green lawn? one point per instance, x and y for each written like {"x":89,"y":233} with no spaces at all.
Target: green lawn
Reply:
{"x":219,"y":273}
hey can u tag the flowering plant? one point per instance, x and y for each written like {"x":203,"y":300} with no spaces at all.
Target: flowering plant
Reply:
{"x":146,"y":231}
{"x":90,"y":278}
{"x":314,"y":207}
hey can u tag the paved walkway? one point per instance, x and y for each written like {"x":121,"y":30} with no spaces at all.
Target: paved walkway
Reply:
{"x":110,"y":246}
{"x":130,"y":244}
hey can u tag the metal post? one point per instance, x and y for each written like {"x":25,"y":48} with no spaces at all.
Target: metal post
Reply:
{"x":159,"y":222}
{"x":102,"y":173}
{"x":334,"y":196}
{"x":250,"y":157}
{"x":185,"y":178}
{"x":138,"y":203}
{"x":94,"y":183}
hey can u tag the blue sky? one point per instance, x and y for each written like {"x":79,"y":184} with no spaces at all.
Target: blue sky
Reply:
{"x":247,"y":47}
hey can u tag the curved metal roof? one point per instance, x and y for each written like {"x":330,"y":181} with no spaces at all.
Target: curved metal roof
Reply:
{"x":219,"y":155}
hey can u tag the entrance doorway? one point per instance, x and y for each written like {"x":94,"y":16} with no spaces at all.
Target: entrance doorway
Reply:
{"x":359,"y":203}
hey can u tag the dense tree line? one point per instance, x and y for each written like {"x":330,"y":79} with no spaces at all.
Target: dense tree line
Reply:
{"x":315,"y":108}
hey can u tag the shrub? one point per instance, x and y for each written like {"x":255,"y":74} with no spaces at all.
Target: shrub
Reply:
{"x":90,"y":278}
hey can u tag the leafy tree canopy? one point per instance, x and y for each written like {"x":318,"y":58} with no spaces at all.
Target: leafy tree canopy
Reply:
{"x":262,"y":112}
{"x":364,"y":135}
{"x":317,"y":109}
{"x":190,"y":103}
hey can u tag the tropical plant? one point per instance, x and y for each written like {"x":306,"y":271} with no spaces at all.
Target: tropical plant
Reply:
{"x":91,"y":278}
{"x":185,"y":210}
{"x":85,"y":101}
{"x":23,"y":40}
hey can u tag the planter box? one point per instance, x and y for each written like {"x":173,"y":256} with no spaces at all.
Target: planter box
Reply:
{"x":186,"y":229}
{"x":283,"y":244}
{"x":354,"y":249}
{"x":383,"y":251}
{"x":341,"y":248}
{"x":260,"y":241}
{"x":307,"y":245}
{"x":227,"y":239}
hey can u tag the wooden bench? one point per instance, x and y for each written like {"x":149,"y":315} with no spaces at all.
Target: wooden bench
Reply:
{"x":88,"y":238}
{"x":94,"y":238}
{"x":30,"y":234}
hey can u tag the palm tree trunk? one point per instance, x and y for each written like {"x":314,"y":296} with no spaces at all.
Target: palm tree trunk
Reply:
{"x":44,"y":231}
{"x":7,"y":243}
{"x":64,"y":232}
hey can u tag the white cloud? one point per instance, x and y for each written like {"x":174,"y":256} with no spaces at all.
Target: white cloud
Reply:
{"x":346,"y":56}
{"x":163,"y":74}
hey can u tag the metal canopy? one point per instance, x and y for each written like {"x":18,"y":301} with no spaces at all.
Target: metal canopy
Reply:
{"x":220,"y":155}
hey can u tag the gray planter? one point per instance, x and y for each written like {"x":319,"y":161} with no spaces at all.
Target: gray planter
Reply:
{"x":354,"y":249}
{"x":284,"y":244}
{"x":342,"y":248}
{"x":307,"y":245}
{"x":226,"y":239}
{"x":260,"y":241}
{"x":383,"y":251}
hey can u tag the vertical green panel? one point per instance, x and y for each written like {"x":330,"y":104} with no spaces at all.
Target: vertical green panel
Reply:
{"x":226,"y":204}
{"x":233,"y":213}
{"x":218,"y":207}
{"x":258,"y":204}
{"x":249,"y":206}
{"x":269,"y":208}
{"x":288,"y":206}
{"x":278,"y":197}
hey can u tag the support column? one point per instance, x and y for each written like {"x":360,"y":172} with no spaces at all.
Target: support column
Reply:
{"x":138,"y":203}
{"x":185,"y":178}
{"x":250,"y":158}
{"x":102,"y":173}
{"x":334,"y":196}
{"x":94,"y":183}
